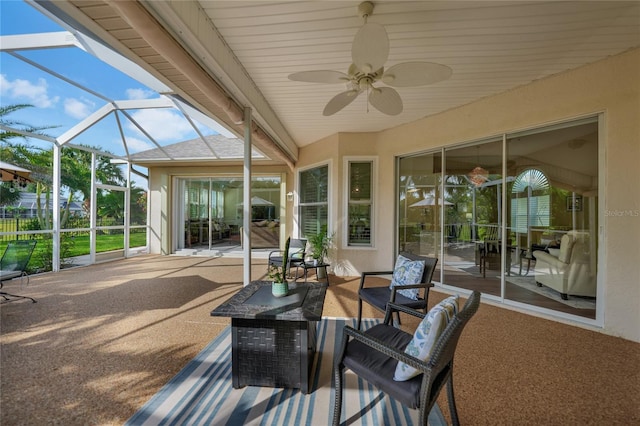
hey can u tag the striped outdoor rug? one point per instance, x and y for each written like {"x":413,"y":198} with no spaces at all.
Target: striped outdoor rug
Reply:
{"x":201,"y":394}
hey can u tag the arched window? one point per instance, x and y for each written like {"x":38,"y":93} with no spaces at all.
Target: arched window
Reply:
{"x":530,"y":204}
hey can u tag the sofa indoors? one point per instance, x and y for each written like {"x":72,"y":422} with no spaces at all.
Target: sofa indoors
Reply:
{"x":567,"y":269}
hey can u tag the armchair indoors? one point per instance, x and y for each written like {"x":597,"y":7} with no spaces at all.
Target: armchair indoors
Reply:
{"x":567,"y":269}
{"x":405,"y":294}
{"x":295,"y":259}
{"x":378,"y":355}
{"x":13,"y":264}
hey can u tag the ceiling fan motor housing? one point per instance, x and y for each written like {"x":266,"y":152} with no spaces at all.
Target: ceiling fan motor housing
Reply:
{"x":365,"y":9}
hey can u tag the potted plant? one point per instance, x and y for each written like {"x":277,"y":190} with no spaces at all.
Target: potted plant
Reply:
{"x":278,"y":274}
{"x":319,"y":243}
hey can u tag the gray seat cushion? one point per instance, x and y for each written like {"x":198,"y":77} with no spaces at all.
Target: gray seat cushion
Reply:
{"x":378,"y":369}
{"x":379,"y":297}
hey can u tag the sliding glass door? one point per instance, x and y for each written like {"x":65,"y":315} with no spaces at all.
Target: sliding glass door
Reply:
{"x":420,"y":205}
{"x":209,"y":212}
{"x":472,"y":220}
{"x":528,"y":236}
{"x":552,"y":199}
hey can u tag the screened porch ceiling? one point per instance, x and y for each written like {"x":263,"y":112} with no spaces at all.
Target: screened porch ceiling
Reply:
{"x":247,"y":49}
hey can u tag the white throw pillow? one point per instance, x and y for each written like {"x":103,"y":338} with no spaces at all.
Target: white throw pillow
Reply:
{"x":426,"y":336}
{"x":405,"y":272}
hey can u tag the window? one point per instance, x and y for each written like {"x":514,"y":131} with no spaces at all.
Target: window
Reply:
{"x":530,"y":202}
{"x":360,"y":202}
{"x":314,"y":200}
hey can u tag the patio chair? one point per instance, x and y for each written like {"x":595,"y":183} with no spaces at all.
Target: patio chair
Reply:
{"x":295,"y":259}
{"x":13,"y":264}
{"x":373,"y":355}
{"x":378,"y":297}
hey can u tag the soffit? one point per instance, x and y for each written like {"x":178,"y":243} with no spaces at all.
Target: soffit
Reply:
{"x":492,"y":47}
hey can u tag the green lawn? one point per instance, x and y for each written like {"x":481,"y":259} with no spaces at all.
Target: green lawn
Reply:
{"x":80,"y":246}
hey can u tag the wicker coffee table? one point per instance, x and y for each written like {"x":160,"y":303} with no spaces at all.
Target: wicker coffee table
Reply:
{"x":273,"y":339}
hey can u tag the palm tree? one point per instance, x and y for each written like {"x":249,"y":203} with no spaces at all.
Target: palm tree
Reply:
{"x":75,"y":167}
{"x":12,"y":153}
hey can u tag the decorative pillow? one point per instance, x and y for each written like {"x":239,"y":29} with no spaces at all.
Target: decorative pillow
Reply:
{"x":406,"y":272}
{"x":426,"y":336}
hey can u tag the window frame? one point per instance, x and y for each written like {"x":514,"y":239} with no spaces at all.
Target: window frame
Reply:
{"x":348,"y":160}
{"x":300,"y":204}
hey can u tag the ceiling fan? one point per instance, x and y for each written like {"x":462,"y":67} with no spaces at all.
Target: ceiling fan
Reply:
{"x":369,"y":52}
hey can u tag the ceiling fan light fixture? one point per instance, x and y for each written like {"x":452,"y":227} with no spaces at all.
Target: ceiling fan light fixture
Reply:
{"x":364,"y":83}
{"x":478,"y":176}
{"x":369,"y":52}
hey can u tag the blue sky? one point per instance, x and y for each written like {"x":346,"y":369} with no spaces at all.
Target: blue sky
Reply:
{"x":57,"y":103}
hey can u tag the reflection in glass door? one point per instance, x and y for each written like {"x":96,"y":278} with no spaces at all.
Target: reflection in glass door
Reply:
{"x":209,"y":212}
{"x":529,"y":237}
{"x":201,"y":211}
{"x":552,"y":218}
{"x":420,"y":206}
{"x":473,"y":192}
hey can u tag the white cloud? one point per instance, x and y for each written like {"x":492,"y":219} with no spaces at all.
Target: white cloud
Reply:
{"x":28,"y":92}
{"x":162,"y":124}
{"x":137,"y":145}
{"x":135,"y":94}
{"x":77,"y":108}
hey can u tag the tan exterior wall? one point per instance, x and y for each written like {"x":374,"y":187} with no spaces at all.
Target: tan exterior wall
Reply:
{"x":609,"y":87}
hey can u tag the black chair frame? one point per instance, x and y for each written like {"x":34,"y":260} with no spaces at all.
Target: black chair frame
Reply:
{"x":295,"y":258}
{"x":435,"y":372}
{"x":378,"y":297}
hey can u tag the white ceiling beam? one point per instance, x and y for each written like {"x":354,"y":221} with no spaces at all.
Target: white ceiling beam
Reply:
{"x":85,"y":124}
{"x":201,"y":118}
{"x":161,"y":102}
{"x":121,"y":63}
{"x":144,"y":132}
{"x":37,"y":41}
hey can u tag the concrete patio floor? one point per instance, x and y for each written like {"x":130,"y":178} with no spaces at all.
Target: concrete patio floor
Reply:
{"x":101,"y":340}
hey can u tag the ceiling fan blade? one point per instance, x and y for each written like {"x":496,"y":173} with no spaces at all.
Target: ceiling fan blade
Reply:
{"x":320,"y":76}
{"x":340,"y":101}
{"x":386,"y":100}
{"x":410,"y":74}
{"x":370,"y":48}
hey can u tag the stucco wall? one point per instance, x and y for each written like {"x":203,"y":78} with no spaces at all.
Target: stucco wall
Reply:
{"x":610,"y":87}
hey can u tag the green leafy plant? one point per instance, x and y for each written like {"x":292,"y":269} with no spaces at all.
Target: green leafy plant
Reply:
{"x":279,"y":273}
{"x":320,"y":243}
